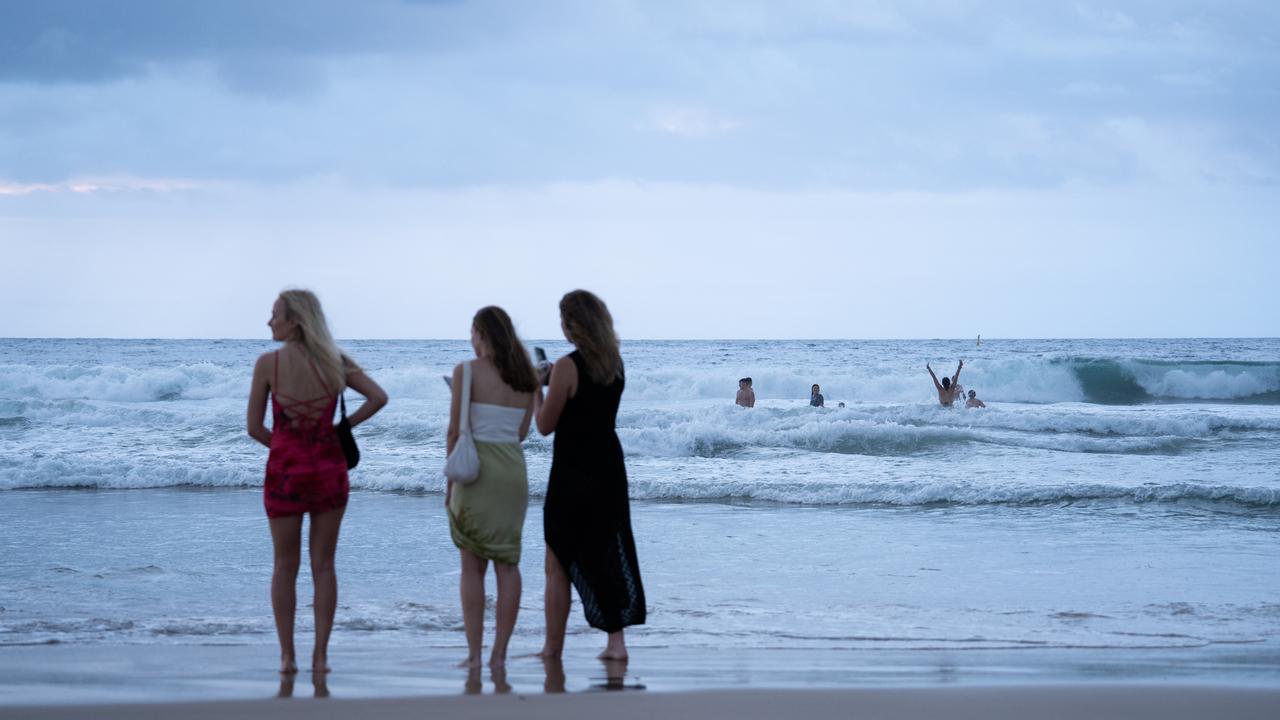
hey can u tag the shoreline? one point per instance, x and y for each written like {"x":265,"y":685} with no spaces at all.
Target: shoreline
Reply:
{"x":1043,"y":702}
{"x":115,"y":674}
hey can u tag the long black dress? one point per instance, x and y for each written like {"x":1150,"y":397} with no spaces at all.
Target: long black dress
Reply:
{"x":587,"y":515}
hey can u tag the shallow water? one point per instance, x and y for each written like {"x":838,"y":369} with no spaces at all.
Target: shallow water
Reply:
{"x":1056,"y":525}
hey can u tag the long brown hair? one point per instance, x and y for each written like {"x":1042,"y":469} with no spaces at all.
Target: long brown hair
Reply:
{"x":589,"y":326}
{"x":303,"y":307}
{"x":508,"y":353}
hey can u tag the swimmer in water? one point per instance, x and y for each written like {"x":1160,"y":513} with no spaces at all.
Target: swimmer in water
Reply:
{"x":973,"y":401}
{"x":946,"y":389}
{"x":815,"y":397}
{"x":746,"y":396}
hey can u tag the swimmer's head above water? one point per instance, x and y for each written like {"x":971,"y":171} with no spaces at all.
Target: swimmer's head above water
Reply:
{"x":946,"y":383}
{"x":744,"y":382}
{"x":973,"y":393}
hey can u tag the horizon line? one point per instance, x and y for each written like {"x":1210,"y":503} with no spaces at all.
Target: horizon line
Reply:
{"x":670,"y":339}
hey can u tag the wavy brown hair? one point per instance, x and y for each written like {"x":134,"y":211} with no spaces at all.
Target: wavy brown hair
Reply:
{"x":589,"y":326}
{"x":507,"y":352}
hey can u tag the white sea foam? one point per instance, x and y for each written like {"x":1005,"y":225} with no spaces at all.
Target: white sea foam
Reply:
{"x":122,"y":384}
{"x":1034,"y":380}
{"x":658,"y":479}
{"x":909,"y":494}
{"x":877,"y":429}
{"x":1012,"y":381}
{"x":151,"y":417}
{"x":1211,"y":383}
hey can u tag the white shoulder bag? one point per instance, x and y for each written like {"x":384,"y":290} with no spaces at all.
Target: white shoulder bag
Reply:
{"x":463,"y":464}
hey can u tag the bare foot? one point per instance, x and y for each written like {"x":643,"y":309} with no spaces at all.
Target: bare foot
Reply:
{"x":545,"y":654}
{"x":319,"y":664}
{"x":288,"y":666}
{"x":471,"y":663}
{"x":497,"y":662}
{"x":615,"y":648}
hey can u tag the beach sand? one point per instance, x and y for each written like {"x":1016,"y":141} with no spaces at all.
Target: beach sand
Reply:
{"x":192,"y":682}
{"x":1038,"y":702}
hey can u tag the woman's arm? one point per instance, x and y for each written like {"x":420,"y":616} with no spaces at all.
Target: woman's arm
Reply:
{"x":528,"y":419}
{"x":935,"y":377}
{"x":564,"y":381}
{"x":258,"y":389}
{"x":455,"y":410}
{"x":455,"y":415}
{"x":375,"y":398}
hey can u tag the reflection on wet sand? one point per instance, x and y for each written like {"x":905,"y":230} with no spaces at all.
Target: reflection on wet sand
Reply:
{"x":555,"y":676}
{"x":319,"y":682}
{"x":615,"y":677}
{"x":499,"y":678}
{"x":474,"y":685}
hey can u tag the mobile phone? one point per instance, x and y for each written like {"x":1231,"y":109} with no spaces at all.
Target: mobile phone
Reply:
{"x":541,"y":355}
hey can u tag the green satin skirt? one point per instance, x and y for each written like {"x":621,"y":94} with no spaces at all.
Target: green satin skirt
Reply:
{"x":487,"y":516}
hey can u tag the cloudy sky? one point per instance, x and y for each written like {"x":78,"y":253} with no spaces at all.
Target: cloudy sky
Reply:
{"x":719,"y":169}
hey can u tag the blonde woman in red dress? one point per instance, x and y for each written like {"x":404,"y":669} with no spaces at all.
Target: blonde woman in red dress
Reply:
{"x":306,"y":470}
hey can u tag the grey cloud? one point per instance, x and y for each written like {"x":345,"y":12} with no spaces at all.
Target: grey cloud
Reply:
{"x":99,"y":40}
{"x":870,"y":95}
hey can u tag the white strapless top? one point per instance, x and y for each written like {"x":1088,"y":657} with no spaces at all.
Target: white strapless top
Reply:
{"x":495,"y":423}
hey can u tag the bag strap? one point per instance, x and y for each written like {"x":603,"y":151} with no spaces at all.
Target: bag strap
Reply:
{"x":464,"y":413}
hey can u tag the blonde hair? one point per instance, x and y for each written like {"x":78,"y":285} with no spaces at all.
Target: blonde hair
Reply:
{"x":312,"y":333}
{"x":589,"y":326}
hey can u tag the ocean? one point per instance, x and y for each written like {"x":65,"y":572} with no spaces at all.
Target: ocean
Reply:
{"x":1116,"y":505}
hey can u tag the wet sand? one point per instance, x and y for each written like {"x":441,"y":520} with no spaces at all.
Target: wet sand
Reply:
{"x":1040,"y":702}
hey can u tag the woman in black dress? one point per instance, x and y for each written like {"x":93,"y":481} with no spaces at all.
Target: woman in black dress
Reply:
{"x":587,"y":516}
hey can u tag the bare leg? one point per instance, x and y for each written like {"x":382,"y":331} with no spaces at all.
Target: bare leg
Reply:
{"x":471,"y":588}
{"x":510,"y":586}
{"x":616,"y":648}
{"x":557,"y":608}
{"x":286,"y":541}
{"x":324,"y":545}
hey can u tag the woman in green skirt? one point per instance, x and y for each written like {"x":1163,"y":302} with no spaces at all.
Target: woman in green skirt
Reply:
{"x":487,"y":515}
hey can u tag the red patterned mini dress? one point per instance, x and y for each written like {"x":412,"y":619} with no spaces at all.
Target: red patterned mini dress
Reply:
{"x":306,"y":470}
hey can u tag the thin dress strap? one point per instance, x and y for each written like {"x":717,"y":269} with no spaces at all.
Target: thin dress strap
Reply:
{"x":309,"y":410}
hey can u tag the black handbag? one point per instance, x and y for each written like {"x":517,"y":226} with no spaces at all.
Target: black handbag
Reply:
{"x":350,"y":450}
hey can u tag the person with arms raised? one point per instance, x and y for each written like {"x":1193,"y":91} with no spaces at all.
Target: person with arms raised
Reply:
{"x":946,"y":388}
